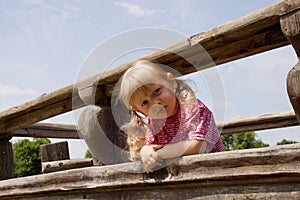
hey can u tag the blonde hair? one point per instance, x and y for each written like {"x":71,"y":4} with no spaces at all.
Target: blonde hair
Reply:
{"x":133,"y":81}
{"x":141,"y":73}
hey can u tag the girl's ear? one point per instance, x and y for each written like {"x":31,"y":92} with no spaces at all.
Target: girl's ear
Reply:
{"x":172,"y":78}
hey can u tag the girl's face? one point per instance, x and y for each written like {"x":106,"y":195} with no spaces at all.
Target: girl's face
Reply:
{"x":156,"y":101}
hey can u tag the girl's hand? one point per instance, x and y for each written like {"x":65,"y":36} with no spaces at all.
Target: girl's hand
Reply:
{"x":150,"y":158}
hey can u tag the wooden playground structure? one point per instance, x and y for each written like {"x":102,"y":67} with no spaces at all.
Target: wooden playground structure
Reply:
{"x":264,"y":173}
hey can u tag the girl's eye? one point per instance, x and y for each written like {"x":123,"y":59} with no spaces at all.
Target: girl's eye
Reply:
{"x":157,"y":91}
{"x":144,"y":103}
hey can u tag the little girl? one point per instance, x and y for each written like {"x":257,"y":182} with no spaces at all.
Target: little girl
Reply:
{"x":177,"y":122}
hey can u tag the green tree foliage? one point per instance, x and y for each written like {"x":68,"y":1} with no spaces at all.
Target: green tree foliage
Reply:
{"x":284,"y":141}
{"x":88,"y":154}
{"x":27,"y":156}
{"x":245,"y":140}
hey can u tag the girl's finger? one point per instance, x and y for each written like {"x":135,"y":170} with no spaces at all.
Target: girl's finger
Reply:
{"x":156,"y":157}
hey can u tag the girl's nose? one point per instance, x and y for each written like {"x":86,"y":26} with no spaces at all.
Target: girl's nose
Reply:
{"x":156,"y":100}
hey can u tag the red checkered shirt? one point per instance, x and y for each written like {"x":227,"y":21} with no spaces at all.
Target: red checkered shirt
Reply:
{"x":191,"y":122}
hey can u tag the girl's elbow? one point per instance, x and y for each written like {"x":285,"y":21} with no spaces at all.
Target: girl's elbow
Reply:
{"x":196,"y":147}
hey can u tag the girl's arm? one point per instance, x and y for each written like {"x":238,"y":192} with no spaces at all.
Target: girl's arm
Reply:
{"x":188,"y":147}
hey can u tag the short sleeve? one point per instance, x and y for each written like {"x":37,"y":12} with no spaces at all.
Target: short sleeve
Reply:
{"x":206,"y":129}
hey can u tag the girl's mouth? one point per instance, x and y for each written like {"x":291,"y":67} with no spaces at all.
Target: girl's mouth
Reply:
{"x":158,"y":111}
{"x":163,"y":109}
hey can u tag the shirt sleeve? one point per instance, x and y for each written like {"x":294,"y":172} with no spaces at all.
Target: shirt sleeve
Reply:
{"x":206,"y":129}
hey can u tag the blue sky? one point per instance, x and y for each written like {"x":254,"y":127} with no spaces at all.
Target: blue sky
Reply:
{"x":44,"y":43}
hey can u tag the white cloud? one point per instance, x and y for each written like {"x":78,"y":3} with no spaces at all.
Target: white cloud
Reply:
{"x":8,"y":90}
{"x":135,"y":9}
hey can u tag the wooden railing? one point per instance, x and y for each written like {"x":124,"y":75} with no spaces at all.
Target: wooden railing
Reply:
{"x":255,"y":123}
{"x":264,"y":30}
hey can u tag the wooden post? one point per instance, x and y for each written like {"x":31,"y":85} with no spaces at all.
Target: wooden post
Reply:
{"x":54,"y":152}
{"x":105,"y":140}
{"x":6,"y":159}
{"x":290,"y":26}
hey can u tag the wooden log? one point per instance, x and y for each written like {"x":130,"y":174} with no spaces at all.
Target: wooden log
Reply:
{"x":291,"y":29}
{"x":53,"y":152}
{"x":102,"y":135}
{"x":263,"y":173}
{"x":43,"y":107}
{"x":260,"y":30}
{"x":293,"y":88}
{"x":66,"y":164}
{"x":290,"y":25}
{"x":48,"y":130}
{"x":6,"y":160}
{"x":254,"y":123}
{"x":261,"y":122}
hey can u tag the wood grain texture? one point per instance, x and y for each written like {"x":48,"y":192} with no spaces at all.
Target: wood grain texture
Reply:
{"x":290,"y":26}
{"x":61,"y":165}
{"x":48,"y":130}
{"x":254,"y":123}
{"x":55,"y":151}
{"x":6,"y":160}
{"x":271,"y":172}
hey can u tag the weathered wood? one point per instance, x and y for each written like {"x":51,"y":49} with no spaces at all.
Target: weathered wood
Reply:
{"x":53,"y":152}
{"x":261,"y":122}
{"x":264,"y":173}
{"x":43,"y":107}
{"x":257,"y":32}
{"x":48,"y":130}
{"x":103,"y":136}
{"x":293,"y":88}
{"x":254,"y":123}
{"x":6,"y":159}
{"x":290,"y":25}
{"x":66,"y":164}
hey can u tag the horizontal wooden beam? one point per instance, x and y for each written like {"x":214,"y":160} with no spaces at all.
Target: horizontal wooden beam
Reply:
{"x":43,"y":107}
{"x":254,"y":123}
{"x":48,"y":130}
{"x":258,"y":173}
{"x":260,"y":122}
{"x":61,"y":165}
{"x":249,"y":35}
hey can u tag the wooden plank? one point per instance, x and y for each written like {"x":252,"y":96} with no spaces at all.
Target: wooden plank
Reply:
{"x":56,"y":151}
{"x":6,"y":160}
{"x":43,"y":107}
{"x":260,"y":122}
{"x":66,"y":164}
{"x":290,"y":25}
{"x":257,"y":32}
{"x":262,"y":172}
{"x":254,"y":123}
{"x":48,"y":130}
